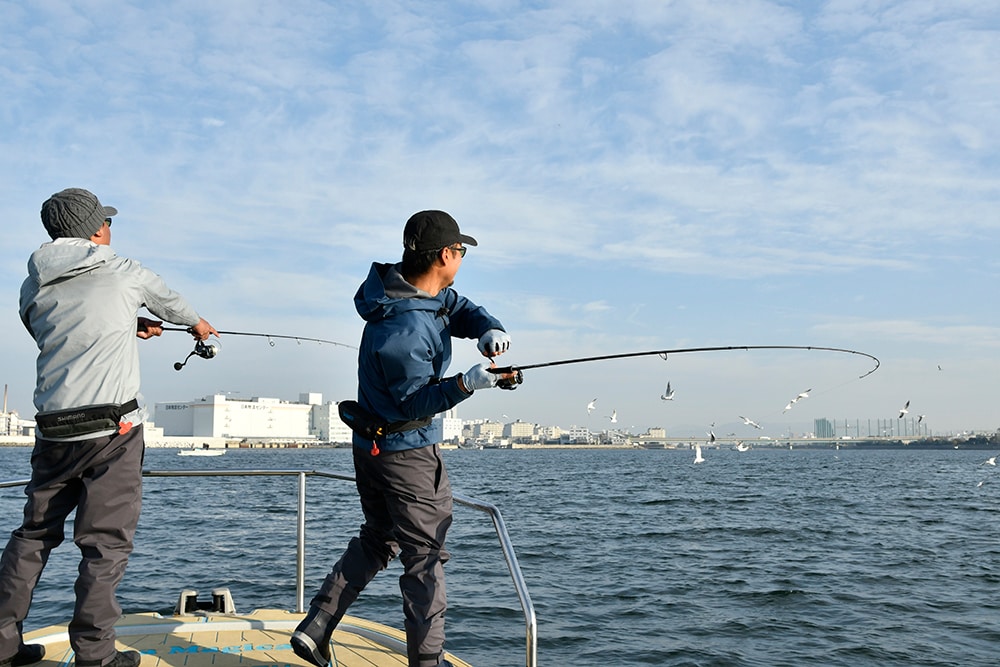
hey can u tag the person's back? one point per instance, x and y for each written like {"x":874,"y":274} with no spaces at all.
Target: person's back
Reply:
{"x":80,"y":306}
{"x":80,"y":303}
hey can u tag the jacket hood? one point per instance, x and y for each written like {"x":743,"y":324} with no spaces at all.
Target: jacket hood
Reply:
{"x":385,"y":293}
{"x":64,"y":258}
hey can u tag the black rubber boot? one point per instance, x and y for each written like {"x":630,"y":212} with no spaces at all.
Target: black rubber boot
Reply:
{"x":28,"y":654}
{"x":121,"y":659}
{"x":311,"y":639}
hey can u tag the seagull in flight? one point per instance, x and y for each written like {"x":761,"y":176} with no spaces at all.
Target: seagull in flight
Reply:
{"x":711,"y":437}
{"x":591,"y":406}
{"x":992,"y":461}
{"x":750,"y":422}
{"x":668,"y":394}
{"x":920,"y":418}
{"x":698,"y":458}
{"x":799,"y":397}
{"x":613,"y":417}
{"x":742,"y":446}
{"x":903,"y":410}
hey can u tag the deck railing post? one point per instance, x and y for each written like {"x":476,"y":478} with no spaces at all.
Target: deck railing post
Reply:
{"x":300,"y":548}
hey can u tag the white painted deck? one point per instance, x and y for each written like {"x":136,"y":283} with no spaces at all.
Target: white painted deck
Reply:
{"x":258,"y":639}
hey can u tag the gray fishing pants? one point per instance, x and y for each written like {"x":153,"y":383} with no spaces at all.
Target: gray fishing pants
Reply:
{"x":102,"y":479}
{"x":406,"y":500}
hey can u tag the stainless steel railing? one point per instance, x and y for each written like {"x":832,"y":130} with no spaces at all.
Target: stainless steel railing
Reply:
{"x":531,"y":640}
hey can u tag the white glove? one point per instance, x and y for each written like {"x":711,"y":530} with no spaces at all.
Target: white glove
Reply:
{"x":494,"y":342}
{"x":478,"y":377}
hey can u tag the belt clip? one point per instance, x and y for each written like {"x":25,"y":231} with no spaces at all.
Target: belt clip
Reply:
{"x":375,"y":449}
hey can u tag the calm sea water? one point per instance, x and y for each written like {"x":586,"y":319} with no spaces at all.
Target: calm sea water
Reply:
{"x":761,"y":558}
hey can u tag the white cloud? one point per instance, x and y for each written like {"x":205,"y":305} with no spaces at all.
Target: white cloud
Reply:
{"x":619,"y":163}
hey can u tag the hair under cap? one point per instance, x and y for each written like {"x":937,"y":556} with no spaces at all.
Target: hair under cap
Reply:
{"x":433,"y":230}
{"x":74,"y":213}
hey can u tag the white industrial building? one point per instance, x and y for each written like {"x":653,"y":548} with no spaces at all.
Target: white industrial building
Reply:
{"x":272,"y":419}
{"x":258,"y":418}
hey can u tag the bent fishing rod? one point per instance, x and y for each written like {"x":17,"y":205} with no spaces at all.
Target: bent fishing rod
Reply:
{"x":210,"y":349}
{"x":515,"y":371}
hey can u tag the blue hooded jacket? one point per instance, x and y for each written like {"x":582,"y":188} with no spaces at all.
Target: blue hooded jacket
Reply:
{"x":406,"y":349}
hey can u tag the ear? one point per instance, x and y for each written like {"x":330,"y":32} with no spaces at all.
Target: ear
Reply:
{"x":102,"y":236}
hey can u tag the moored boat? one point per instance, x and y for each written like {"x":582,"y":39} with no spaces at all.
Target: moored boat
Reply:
{"x":203,"y":451}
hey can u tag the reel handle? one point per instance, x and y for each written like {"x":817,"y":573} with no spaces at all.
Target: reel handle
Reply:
{"x":203,"y":349}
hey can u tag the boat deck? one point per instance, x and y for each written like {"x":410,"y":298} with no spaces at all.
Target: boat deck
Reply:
{"x":258,"y":639}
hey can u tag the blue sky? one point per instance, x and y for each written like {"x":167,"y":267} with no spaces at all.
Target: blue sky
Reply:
{"x":640,"y":175}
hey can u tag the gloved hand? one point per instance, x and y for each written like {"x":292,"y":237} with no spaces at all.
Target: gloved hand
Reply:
{"x":494,"y":342}
{"x":478,"y":377}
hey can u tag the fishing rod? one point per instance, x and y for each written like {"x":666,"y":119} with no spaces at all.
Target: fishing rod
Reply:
{"x":210,"y":349}
{"x":515,"y":371}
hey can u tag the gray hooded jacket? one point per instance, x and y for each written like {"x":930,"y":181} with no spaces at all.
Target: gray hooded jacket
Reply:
{"x":80,"y":303}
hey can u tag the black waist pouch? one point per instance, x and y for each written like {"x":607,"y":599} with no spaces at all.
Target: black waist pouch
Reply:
{"x":82,"y":421}
{"x":372,"y":427}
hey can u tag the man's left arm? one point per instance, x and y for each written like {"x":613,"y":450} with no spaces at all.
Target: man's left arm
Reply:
{"x":469,"y":320}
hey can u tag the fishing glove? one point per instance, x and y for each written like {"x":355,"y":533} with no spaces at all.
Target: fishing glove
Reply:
{"x":494,"y":342}
{"x":479,"y":377}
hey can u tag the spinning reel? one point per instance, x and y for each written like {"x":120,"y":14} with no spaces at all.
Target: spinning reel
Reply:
{"x":517,"y":377}
{"x":206,"y":349}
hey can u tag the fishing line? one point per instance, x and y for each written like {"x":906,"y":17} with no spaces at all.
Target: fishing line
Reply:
{"x":516,"y":370}
{"x":210,"y":349}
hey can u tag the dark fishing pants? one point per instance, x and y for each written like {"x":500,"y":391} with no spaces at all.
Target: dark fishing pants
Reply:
{"x":102,"y":479}
{"x":406,"y":499}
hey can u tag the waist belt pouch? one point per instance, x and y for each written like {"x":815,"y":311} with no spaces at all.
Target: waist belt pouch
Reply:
{"x":371,"y":427}
{"x":82,"y":421}
{"x":362,"y":422}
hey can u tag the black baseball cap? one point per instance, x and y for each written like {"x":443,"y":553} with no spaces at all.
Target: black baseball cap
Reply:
{"x":433,"y":230}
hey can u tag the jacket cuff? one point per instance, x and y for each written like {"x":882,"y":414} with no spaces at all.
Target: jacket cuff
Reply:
{"x":454,"y":390}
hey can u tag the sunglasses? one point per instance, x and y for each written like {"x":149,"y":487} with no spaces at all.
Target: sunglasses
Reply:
{"x":461,"y":251}
{"x":108,"y":220}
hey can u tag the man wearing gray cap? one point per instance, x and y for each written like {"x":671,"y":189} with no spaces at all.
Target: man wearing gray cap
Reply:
{"x":411,"y":315}
{"x":80,"y":303}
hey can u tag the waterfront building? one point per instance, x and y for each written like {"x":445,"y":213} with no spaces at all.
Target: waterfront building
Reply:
{"x":549,"y":433}
{"x":273,"y":419}
{"x":326,"y":425}
{"x":520,"y":431}
{"x":447,"y":427}
{"x":9,"y":423}
{"x":489,"y":430}
{"x":823,"y":428}
{"x":223,"y":416}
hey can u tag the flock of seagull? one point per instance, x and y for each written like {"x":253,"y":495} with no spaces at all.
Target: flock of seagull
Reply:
{"x":668,"y":395}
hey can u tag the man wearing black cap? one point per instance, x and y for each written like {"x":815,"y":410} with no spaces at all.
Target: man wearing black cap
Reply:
{"x":411,"y":314}
{"x":80,"y":303}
